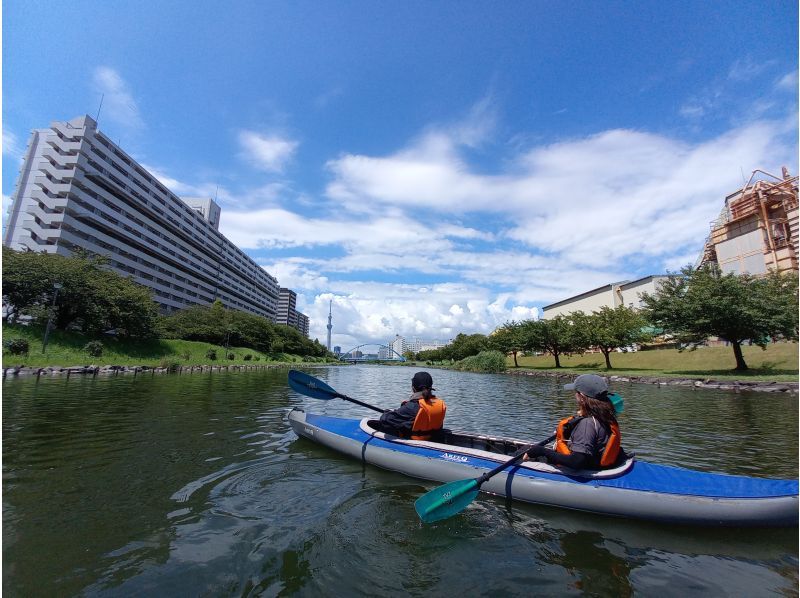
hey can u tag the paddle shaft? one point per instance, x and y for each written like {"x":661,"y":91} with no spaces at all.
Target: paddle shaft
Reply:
{"x":517,"y":456}
{"x":476,"y":483}
{"x":357,"y":402}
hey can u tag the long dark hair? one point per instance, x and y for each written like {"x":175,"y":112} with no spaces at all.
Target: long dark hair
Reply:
{"x":597,"y":408}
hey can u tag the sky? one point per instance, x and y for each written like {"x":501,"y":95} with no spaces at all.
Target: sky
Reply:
{"x":430,"y":168}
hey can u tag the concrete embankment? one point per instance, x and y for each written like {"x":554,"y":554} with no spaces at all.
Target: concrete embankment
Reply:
{"x":693,"y":383}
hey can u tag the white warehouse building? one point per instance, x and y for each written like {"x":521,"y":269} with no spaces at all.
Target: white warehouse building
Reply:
{"x":77,"y":189}
{"x":627,"y":293}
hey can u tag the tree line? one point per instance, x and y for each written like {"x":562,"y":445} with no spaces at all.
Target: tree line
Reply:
{"x":689,"y":307}
{"x":81,"y":293}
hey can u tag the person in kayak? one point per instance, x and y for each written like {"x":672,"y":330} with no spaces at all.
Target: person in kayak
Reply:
{"x":590,"y":439}
{"x":418,"y":418}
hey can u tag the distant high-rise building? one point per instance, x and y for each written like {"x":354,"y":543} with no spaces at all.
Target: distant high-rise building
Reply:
{"x":330,"y":323}
{"x":79,"y":190}
{"x":398,"y":345}
{"x":288,"y":315}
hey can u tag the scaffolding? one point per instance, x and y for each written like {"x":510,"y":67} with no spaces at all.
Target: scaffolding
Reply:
{"x":757,"y":229}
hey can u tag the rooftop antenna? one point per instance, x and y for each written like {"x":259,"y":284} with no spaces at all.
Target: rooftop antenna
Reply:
{"x":97,"y":118}
{"x":215,"y":192}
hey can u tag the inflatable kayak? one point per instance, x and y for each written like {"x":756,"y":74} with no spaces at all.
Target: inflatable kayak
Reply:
{"x":635,"y":489}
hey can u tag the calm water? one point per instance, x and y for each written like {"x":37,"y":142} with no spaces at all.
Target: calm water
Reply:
{"x":195,"y":485}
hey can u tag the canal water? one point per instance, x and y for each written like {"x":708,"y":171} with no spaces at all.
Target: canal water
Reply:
{"x":195,"y":485}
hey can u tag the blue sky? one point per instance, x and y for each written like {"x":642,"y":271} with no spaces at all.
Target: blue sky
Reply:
{"x":430,"y":167}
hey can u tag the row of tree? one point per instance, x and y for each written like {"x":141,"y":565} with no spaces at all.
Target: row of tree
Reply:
{"x":690,"y":306}
{"x":80,"y":293}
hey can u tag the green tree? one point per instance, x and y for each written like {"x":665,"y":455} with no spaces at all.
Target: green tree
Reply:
{"x":27,"y":281}
{"x":556,"y":336}
{"x":507,"y":339}
{"x":609,"y":328}
{"x":696,"y":304}
{"x":92,"y":297}
{"x":465,"y":345}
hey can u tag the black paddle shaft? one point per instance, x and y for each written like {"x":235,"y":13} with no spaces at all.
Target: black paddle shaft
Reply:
{"x":517,"y":456}
{"x":357,"y":402}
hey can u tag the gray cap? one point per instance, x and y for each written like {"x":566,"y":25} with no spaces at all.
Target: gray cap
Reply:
{"x":590,"y":385}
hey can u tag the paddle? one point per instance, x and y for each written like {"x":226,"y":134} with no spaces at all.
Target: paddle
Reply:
{"x":317,"y":389}
{"x":445,"y":501}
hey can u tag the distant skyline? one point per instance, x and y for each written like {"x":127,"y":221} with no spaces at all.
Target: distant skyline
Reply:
{"x":430,"y":168}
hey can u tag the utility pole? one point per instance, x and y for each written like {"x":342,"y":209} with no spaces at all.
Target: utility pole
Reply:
{"x":330,"y":325}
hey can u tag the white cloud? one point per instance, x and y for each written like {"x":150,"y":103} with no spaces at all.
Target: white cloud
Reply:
{"x":374,"y":312}
{"x":474,"y":249}
{"x":266,"y":152}
{"x":119,"y":104}
{"x":573,"y":216}
{"x":788,"y":82}
{"x":745,"y":69}
{"x":11,"y":145}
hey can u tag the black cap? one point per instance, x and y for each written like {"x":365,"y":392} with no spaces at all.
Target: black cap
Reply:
{"x":422,"y":380}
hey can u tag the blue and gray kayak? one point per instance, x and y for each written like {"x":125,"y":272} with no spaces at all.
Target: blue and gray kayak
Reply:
{"x":636,"y":489}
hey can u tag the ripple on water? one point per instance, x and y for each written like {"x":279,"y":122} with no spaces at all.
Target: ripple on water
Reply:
{"x":196,"y":485}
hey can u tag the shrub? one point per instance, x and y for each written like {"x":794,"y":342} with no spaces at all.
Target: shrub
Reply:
{"x":485,"y":361}
{"x":231,"y":356}
{"x":17,"y":346}
{"x":211,"y":354}
{"x":169,"y":364}
{"x":257,"y":358}
{"x":186,"y":356}
{"x":94,"y":348}
{"x":248,"y":357}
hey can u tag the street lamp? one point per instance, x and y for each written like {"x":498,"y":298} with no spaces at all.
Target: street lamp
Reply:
{"x":56,"y":286}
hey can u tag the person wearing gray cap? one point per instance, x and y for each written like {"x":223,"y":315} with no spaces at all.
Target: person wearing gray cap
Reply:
{"x":590,"y":439}
{"x":418,"y":418}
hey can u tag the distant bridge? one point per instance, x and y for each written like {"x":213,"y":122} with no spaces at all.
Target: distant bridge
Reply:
{"x":350,"y":358}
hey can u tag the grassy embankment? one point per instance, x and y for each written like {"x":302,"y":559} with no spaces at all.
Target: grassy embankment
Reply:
{"x":778,"y":363}
{"x":66,"y":349}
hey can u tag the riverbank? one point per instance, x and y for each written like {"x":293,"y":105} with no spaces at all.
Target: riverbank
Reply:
{"x":69,"y":351}
{"x":693,"y":383}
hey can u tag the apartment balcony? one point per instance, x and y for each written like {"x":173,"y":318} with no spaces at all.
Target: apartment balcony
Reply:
{"x":50,"y":203}
{"x":65,"y":147}
{"x":50,"y":187}
{"x":65,"y":162}
{"x":42,"y":232}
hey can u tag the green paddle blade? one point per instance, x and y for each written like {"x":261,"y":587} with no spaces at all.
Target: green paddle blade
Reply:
{"x":310,"y":386}
{"x":445,"y":501}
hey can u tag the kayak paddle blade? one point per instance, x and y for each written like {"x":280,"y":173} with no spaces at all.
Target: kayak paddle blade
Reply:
{"x":445,"y":501}
{"x":310,"y":386}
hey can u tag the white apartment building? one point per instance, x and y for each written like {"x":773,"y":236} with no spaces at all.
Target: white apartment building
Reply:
{"x":287,"y":312}
{"x":77,"y":189}
{"x":612,"y":295}
{"x":417,"y":344}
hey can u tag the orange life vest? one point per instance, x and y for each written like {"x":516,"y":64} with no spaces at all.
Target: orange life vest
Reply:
{"x":610,"y":452}
{"x":430,"y":418}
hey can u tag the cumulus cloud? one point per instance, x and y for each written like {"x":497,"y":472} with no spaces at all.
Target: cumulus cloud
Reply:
{"x":119,"y":104}
{"x":559,"y":220}
{"x":266,"y":152}
{"x":423,"y":242}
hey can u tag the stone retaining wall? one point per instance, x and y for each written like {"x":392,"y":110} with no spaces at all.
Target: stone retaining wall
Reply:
{"x":114,"y":370}
{"x":736,"y":386}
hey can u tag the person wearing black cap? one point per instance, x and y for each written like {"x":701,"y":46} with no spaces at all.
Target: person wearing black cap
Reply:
{"x":418,"y":418}
{"x":590,"y":439}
